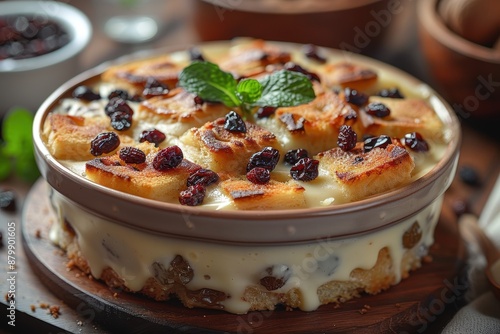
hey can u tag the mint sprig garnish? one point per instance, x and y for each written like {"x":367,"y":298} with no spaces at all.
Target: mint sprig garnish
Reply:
{"x":16,"y":150}
{"x":280,"y":89}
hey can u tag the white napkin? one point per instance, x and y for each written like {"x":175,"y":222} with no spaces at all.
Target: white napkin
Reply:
{"x":482,"y":313}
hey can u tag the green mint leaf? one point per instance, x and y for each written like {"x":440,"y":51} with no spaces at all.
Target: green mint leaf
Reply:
{"x":284,"y":89}
{"x":26,"y":168}
{"x":17,"y":131}
{"x":249,"y":90}
{"x":5,"y":165}
{"x":209,"y":82}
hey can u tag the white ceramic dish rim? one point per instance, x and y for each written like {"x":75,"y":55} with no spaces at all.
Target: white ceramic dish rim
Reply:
{"x":296,"y":225}
{"x":73,"y":21}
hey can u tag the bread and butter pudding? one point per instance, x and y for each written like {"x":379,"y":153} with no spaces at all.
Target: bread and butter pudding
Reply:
{"x":247,"y":174}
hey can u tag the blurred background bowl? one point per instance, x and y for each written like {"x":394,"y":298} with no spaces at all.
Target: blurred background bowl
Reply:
{"x":356,"y":26}
{"x":27,"y":82}
{"x":465,"y":73}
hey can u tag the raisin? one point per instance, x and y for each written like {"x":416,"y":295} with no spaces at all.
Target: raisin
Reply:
{"x":195,"y":54}
{"x":373,"y":142}
{"x":355,"y":97}
{"x":132,"y":155}
{"x":393,"y":93}
{"x":412,"y":236}
{"x":8,"y":200}
{"x":275,"y":277}
{"x":293,"y":156}
{"x":259,"y":175}
{"x":469,"y":176}
{"x":154,"y":87}
{"x":416,"y":142}
{"x":153,"y":136}
{"x":267,"y":158}
{"x":358,"y":159}
{"x":377,"y":109}
{"x":117,"y":104}
{"x":85,"y":93}
{"x":179,"y":271}
{"x":347,"y":138}
{"x":311,"y":51}
{"x":168,"y":158}
{"x":305,"y":169}
{"x":299,"y":69}
{"x":264,"y":112}
{"x":202,"y":176}
{"x":234,"y":123}
{"x":105,"y":142}
{"x":193,"y":195}
{"x":121,"y":120}
{"x":119,"y":93}
{"x":198,"y":100}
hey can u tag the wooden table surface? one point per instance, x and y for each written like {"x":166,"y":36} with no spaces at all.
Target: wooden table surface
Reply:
{"x":480,"y":150}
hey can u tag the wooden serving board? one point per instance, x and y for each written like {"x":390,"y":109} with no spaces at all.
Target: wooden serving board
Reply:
{"x":416,"y":304}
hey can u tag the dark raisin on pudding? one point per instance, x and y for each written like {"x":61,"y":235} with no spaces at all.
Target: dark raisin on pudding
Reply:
{"x":153,"y":88}
{"x":259,"y":175}
{"x":193,"y":195}
{"x":293,"y":156}
{"x":120,"y":120}
{"x":311,"y":51}
{"x":275,"y":277}
{"x":85,"y":93}
{"x":118,"y":93}
{"x":412,"y":236}
{"x":290,"y":66}
{"x":168,"y":158}
{"x":267,"y":158}
{"x":347,"y":138}
{"x":377,"y":109}
{"x":198,"y":100}
{"x":264,"y":112}
{"x":234,"y":123}
{"x":153,"y":136}
{"x":305,"y":169}
{"x":117,"y":104}
{"x":179,"y":271}
{"x":392,"y":93}
{"x":416,"y":142}
{"x":381,"y":142}
{"x":195,"y":54}
{"x":132,"y":155}
{"x":202,"y":176}
{"x":105,"y":142}
{"x":355,"y":97}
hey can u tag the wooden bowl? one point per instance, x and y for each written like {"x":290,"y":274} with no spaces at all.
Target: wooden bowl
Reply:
{"x":464,"y":73}
{"x":356,"y":26}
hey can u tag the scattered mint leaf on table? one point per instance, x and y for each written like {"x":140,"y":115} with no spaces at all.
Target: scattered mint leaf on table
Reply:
{"x":16,"y":150}
{"x":279,"y":89}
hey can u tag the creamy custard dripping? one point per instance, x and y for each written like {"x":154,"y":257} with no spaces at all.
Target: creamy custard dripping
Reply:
{"x":233,"y":268}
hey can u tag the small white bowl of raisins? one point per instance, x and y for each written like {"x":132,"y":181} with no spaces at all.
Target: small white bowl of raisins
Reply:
{"x":39,"y":46}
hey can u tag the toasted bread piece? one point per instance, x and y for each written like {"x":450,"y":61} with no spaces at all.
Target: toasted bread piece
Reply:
{"x":68,"y":137}
{"x":178,"y":112}
{"x":346,"y":74}
{"x":133,"y":76}
{"x":251,"y":58}
{"x":360,"y":174}
{"x":273,"y":195}
{"x":141,"y":179}
{"x":221,"y":150}
{"x":313,"y":126}
{"x":407,"y":115}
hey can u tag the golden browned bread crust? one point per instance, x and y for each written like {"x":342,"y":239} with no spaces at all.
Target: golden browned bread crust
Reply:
{"x":273,"y":195}
{"x":346,"y":74}
{"x":360,"y":174}
{"x":226,"y":151}
{"x":141,"y":179}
